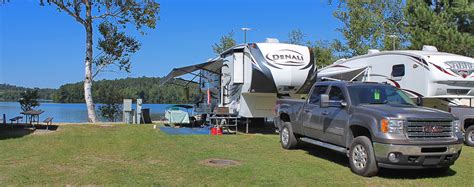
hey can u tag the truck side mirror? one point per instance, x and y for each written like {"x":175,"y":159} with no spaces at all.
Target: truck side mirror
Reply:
{"x":419,"y":101}
{"x":324,"y":101}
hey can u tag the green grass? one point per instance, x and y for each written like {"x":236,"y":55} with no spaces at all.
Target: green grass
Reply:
{"x":90,"y":154}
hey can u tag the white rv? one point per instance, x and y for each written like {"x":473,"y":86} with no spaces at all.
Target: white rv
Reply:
{"x":444,"y":80}
{"x":247,"y":79}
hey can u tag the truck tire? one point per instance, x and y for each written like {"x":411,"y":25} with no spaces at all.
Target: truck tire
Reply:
{"x":287,"y":138}
{"x":469,"y":136}
{"x":362,"y":158}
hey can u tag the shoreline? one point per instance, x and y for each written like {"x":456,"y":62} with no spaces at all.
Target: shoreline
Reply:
{"x":105,"y":123}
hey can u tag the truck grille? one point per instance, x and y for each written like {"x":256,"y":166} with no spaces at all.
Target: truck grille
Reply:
{"x":429,"y":129}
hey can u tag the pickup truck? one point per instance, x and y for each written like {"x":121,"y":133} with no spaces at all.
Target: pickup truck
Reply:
{"x":466,"y":118}
{"x":374,"y":124}
{"x":464,"y":111}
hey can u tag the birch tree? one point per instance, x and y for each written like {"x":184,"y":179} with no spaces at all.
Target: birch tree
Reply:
{"x":111,"y":17}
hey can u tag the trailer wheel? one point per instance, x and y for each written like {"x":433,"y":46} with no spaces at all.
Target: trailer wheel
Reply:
{"x":469,"y":136}
{"x":362,"y":158}
{"x":287,"y":138}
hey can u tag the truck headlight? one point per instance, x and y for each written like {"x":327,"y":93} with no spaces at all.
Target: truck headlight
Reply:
{"x":392,"y":126}
{"x":456,"y":126}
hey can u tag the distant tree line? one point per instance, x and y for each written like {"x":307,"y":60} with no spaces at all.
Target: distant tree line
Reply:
{"x":113,"y":91}
{"x":146,"y":88}
{"x":13,"y":93}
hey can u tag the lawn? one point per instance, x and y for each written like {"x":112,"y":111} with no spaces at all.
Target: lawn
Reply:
{"x":131,"y":155}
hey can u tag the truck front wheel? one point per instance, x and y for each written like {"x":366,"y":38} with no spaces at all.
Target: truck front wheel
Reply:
{"x":469,"y":136}
{"x":362,"y":158}
{"x":287,"y":138}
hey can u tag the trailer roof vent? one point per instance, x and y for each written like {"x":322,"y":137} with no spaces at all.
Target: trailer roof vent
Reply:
{"x":271,"y":40}
{"x":373,"y":51}
{"x":430,"y":48}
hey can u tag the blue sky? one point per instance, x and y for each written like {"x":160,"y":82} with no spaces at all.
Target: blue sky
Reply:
{"x":41,"y":47}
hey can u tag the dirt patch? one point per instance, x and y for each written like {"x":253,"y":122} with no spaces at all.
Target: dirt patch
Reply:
{"x":18,"y":132}
{"x":43,"y":131}
{"x":219,"y":163}
{"x":106,"y":126}
{"x":154,"y":161}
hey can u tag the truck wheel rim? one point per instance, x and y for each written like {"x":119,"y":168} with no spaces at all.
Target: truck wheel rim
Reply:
{"x":359,"y":157}
{"x":470,"y":137}
{"x":284,"y":136}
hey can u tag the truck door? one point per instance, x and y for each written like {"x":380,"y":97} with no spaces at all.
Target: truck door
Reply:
{"x":334,"y":118}
{"x":311,"y":114}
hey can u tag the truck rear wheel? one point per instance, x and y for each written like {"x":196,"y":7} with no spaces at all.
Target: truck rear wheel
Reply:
{"x":287,"y":138}
{"x":362,"y":158}
{"x":469,"y":136}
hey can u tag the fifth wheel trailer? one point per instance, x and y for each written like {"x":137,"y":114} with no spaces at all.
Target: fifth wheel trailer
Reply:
{"x":247,"y":79}
{"x":444,"y":80}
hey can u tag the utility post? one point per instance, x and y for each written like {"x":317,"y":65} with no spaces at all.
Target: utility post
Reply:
{"x":393,"y":36}
{"x":245,"y":33}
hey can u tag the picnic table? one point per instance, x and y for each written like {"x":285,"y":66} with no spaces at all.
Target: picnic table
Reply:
{"x":33,"y":115}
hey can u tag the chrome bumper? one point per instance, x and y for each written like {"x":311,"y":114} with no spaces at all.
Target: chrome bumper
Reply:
{"x":415,"y":157}
{"x":382,"y":150}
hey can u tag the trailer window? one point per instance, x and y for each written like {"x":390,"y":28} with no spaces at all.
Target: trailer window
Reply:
{"x":398,"y":70}
{"x":316,"y":95}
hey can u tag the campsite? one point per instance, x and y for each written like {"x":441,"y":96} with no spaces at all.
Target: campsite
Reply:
{"x":141,"y":155}
{"x":247,"y":93}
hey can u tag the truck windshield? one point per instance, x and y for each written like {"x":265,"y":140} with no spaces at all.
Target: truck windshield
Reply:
{"x":378,"y":94}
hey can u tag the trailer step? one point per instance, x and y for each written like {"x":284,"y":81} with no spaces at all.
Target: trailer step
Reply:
{"x":323,"y":144}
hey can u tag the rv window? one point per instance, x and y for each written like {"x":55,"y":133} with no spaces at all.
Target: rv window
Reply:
{"x":398,"y":70}
{"x":316,"y":95}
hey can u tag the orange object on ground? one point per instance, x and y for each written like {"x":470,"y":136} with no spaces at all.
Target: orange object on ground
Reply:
{"x":216,"y":131}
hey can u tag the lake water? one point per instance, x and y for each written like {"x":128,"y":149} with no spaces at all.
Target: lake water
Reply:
{"x":69,"y":112}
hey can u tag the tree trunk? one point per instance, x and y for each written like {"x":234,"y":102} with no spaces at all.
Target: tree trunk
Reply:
{"x":88,"y":70}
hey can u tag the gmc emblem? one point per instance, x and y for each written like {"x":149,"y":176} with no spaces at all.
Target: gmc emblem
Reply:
{"x":432,"y":129}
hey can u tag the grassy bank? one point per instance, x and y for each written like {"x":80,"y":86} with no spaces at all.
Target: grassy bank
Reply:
{"x":91,"y":154}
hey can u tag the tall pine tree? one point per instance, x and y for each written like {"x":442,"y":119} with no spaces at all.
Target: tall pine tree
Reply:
{"x":446,"y":24}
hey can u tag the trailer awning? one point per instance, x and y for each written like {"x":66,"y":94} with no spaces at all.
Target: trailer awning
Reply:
{"x":346,"y":74}
{"x":450,"y":97}
{"x":212,"y":66}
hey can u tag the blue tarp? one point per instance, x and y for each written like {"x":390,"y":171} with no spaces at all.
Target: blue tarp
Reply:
{"x":185,"y":131}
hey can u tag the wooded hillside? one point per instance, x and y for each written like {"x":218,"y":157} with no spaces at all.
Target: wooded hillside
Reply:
{"x":146,"y":88}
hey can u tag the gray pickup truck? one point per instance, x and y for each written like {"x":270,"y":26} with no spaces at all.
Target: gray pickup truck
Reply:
{"x":466,"y":118}
{"x":375,"y":125}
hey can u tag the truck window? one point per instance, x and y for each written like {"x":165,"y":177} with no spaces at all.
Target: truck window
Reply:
{"x":378,"y":94}
{"x":398,"y":70}
{"x":316,"y":95}
{"x":336,"y":94}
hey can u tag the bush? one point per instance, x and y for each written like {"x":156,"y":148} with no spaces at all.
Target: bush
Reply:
{"x":28,"y":100}
{"x":110,"y":111}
